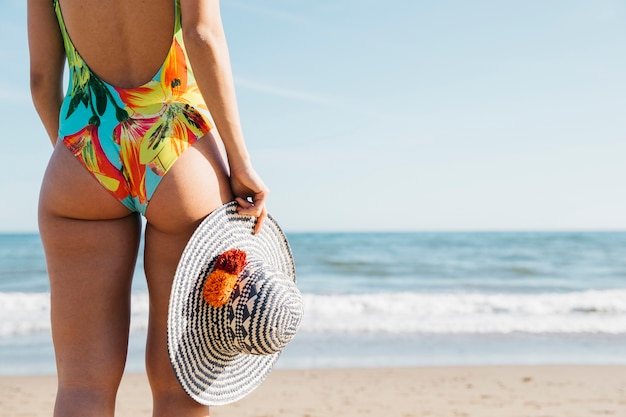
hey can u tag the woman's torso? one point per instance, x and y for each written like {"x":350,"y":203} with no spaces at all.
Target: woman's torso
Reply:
{"x":132,"y":105}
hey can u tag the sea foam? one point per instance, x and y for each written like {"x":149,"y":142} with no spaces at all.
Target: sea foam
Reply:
{"x":601,"y":311}
{"x":575,"y":312}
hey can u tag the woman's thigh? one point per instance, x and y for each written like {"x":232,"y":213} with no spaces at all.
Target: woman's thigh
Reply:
{"x":91,"y":242}
{"x":195,"y":186}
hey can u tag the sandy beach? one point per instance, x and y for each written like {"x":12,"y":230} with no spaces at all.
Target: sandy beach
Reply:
{"x":498,"y":391}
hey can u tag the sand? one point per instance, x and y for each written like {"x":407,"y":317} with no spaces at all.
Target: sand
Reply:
{"x":498,"y":391}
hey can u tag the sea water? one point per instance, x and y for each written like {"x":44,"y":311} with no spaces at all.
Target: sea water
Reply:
{"x":394,"y":299}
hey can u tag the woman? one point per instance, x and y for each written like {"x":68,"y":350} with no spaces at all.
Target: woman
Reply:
{"x":130,"y":138}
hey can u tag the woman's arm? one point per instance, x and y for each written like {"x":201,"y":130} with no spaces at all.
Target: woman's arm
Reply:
{"x":208,"y":53}
{"x":47,"y":58}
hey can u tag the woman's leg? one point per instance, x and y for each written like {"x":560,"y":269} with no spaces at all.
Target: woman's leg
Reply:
{"x":196,"y":185}
{"x":91,"y":242}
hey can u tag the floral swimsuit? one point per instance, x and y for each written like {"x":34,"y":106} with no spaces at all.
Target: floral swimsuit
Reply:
{"x":128,"y":138}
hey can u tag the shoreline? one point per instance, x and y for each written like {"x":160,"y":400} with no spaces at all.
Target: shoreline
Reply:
{"x":34,"y":355}
{"x":476,"y":391}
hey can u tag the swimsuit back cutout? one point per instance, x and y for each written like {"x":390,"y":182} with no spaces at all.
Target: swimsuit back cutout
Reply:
{"x":128,"y":138}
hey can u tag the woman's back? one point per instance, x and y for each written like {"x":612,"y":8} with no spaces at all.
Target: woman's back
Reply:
{"x":123,"y":42}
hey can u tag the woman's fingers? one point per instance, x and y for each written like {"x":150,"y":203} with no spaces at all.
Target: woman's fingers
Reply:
{"x":255,"y":208}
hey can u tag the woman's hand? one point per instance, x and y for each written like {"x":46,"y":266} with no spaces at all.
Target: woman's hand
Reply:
{"x":250,"y":193}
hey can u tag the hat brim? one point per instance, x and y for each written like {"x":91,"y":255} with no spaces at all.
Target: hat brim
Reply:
{"x":206,"y":374}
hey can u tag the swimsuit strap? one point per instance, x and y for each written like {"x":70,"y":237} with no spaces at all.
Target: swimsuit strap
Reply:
{"x":69,"y":45}
{"x":178,"y":18}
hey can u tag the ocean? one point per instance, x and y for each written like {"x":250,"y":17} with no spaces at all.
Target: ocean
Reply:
{"x":394,"y":300}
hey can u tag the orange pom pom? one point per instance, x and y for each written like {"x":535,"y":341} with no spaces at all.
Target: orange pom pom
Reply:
{"x":221,"y":282}
{"x":218,"y":287}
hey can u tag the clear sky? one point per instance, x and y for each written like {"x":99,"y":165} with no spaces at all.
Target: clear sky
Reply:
{"x":401,"y":115}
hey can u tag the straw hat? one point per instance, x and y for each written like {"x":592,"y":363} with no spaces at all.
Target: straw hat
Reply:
{"x":221,"y":353}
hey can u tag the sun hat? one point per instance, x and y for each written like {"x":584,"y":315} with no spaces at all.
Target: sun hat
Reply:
{"x":221,"y":353}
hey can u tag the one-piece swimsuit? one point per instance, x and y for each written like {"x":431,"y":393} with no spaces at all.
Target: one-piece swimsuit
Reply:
{"x":128,"y":138}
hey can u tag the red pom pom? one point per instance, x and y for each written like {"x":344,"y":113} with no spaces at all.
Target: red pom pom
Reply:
{"x":232,"y":261}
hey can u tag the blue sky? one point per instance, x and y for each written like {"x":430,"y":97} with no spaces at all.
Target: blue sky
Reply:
{"x":401,"y":115}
